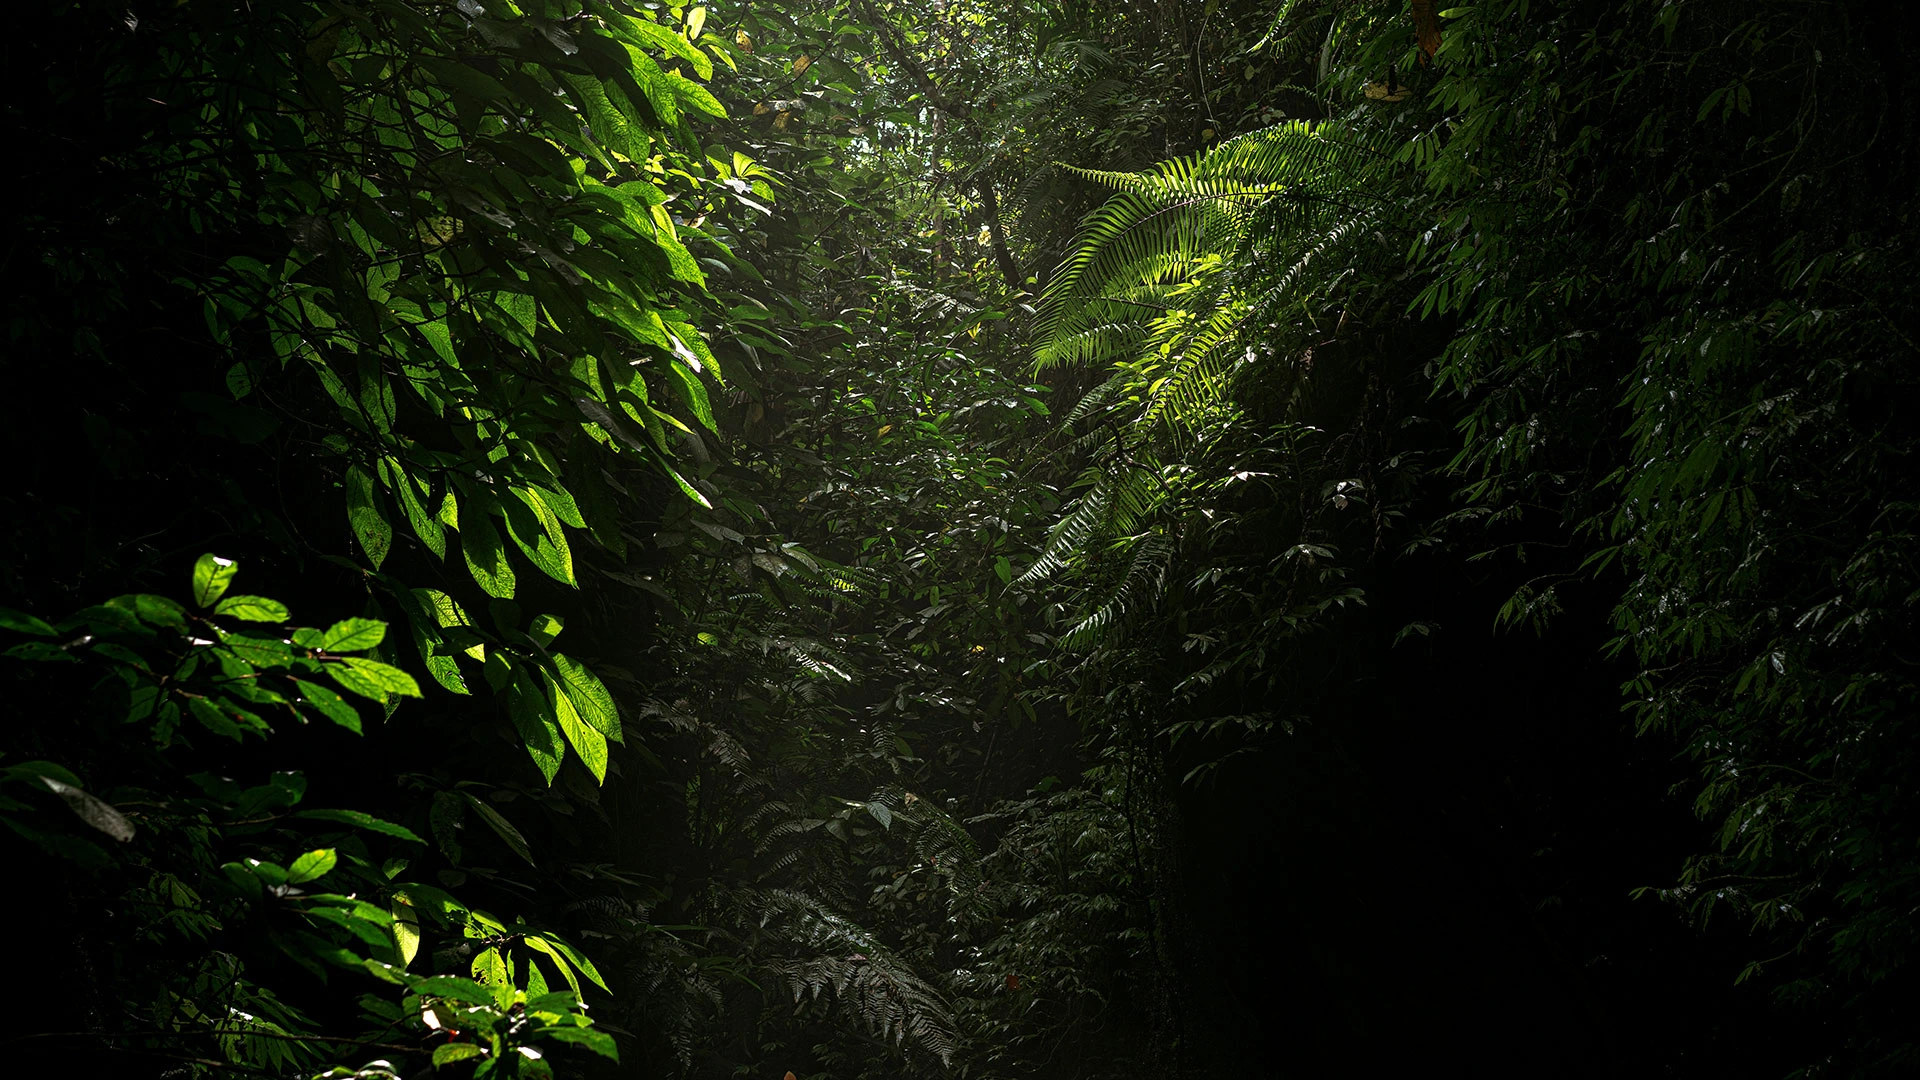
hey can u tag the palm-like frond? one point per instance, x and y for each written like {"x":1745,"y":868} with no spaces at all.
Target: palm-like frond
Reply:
{"x":1177,"y":283}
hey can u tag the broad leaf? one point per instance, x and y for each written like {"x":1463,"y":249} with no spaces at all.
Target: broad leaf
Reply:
{"x":361,"y":820}
{"x":588,"y":743}
{"x":371,"y":678}
{"x":211,"y":576}
{"x":352,"y":635}
{"x":501,"y":827}
{"x":24,"y":623}
{"x":589,"y":696}
{"x":252,"y":609}
{"x":329,"y":704}
{"x":312,"y":866}
{"x":365,"y":515}
{"x":486,"y":557}
{"x":532,"y":715}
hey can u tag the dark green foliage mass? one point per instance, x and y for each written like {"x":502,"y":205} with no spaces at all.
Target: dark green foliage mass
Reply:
{"x":973,"y":539}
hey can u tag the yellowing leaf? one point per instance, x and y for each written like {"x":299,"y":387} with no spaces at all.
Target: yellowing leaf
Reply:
{"x":802,"y":64}
{"x":696,"y":22}
{"x":741,"y":39}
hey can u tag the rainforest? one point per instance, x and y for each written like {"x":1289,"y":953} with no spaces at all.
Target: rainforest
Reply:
{"x":960,"y":539}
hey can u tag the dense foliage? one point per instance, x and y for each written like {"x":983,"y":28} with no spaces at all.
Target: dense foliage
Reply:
{"x":1059,"y":539}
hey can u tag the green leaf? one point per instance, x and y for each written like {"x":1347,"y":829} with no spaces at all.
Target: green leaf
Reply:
{"x":486,"y":557}
{"x":538,"y":533}
{"x":352,"y":635}
{"x":312,"y":865}
{"x":544,"y":629}
{"x":502,"y":827}
{"x":693,"y":392}
{"x":371,"y":678}
{"x":252,"y":609}
{"x":597,"y":1041}
{"x":539,"y":728}
{"x":452,"y":986}
{"x":566,"y":970}
{"x":449,"y":1053}
{"x":406,"y":928}
{"x":211,"y":576}
{"x":39,"y":651}
{"x":561,"y":502}
{"x":427,"y":527}
{"x":256,"y":650}
{"x":361,"y":820}
{"x":589,"y":696}
{"x":158,"y":611}
{"x":31,"y":769}
{"x":24,"y":623}
{"x":329,"y":704}
{"x":588,"y":743}
{"x":368,"y":520}
{"x":578,"y":960}
{"x":215,"y":719}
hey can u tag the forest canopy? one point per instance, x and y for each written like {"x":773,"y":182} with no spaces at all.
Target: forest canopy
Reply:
{"x":1070,"y":539}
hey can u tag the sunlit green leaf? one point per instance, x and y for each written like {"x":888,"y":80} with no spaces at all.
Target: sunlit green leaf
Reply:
{"x":588,"y":743}
{"x":252,"y":609}
{"x":312,"y":865}
{"x":486,"y":557}
{"x":329,"y":704}
{"x":211,"y":576}
{"x":352,"y":635}
{"x":371,"y":678}
{"x":533,"y":716}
